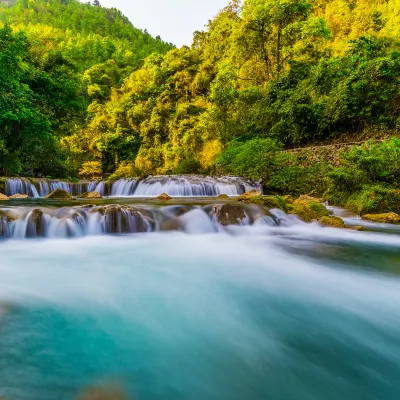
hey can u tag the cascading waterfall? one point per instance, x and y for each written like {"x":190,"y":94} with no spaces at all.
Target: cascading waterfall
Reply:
{"x":21,"y":186}
{"x":174,"y":185}
{"x":70,"y":222}
{"x":124,"y":187}
{"x":183,"y":185}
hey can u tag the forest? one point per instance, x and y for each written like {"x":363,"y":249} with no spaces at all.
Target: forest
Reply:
{"x":83,"y":93}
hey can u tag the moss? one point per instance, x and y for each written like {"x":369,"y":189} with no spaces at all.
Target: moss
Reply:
{"x":3,"y":197}
{"x":333,"y":222}
{"x":90,"y":195}
{"x":163,"y":197}
{"x":268,"y":201}
{"x":223,"y":197}
{"x":370,"y":200}
{"x":308,"y":209}
{"x":59,"y":194}
{"x":388,"y":218}
{"x":248,"y":195}
{"x":355,"y":227}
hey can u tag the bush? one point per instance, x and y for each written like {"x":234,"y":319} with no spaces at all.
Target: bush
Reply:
{"x":125,"y":170}
{"x":91,"y":170}
{"x":188,"y":167}
{"x":254,"y":159}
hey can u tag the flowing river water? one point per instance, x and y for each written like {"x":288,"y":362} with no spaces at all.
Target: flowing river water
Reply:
{"x":269,"y":308}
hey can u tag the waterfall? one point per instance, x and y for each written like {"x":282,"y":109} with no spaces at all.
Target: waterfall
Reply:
{"x":174,"y":185}
{"x":189,"y":185}
{"x":114,"y":219}
{"x":124,"y":187}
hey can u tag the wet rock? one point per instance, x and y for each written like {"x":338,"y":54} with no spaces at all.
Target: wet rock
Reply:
{"x":59,"y":194}
{"x":90,"y":195}
{"x":268,"y":201}
{"x":18,"y":196}
{"x":36,"y":224}
{"x":122,"y":219}
{"x":308,"y":209}
{"x":103,"y":393}
{"x":3,"y":197}
{"x":173,"y":224}
{"x":223,"y":197}
{"x":355,"y":227}
{"x":163,"y":197}
{"x":332,"y":222}
{"x":248,"y":195}
{"x":228,"y":214}
{"x":307,"y":198}
{"x":387,"y":218}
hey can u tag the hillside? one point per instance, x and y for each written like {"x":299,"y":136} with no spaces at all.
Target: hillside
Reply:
{"x":265,"y":75}
{"x":57,"y":56}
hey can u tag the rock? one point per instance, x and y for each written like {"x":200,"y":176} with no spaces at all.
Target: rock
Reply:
{"x":355,"y":227}
{"x":59,"y":194}
{"x":306,"y":198}
{"x":19,"y":196}
{"x":387,"y":218}
{"x":102,"y":393}
{"x":3,"y":197}
{"x":223,"y":197}
{"x":122,"y":219}
{"x":267,"y":201}
{"x":173,"y":224}
{"x":228,"y":214}
{"x":35,"y":227}
{"x":332,"y":222}
{"x":163,"y":197}
{"x":90,"y":195}
{"x":308,"y":209}
{"x":248,"y":195}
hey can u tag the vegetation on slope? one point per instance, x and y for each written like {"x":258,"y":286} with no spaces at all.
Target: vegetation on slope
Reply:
{"x":82,"y":90}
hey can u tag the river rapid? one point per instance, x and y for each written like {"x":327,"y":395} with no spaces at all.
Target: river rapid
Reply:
{"x":289,"y":312}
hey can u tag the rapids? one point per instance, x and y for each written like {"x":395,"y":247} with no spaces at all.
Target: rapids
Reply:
{"x":268,"y":308}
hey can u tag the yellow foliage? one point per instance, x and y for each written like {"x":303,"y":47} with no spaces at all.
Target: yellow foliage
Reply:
{"x":210,"y":152}
{"x":91,"y":170}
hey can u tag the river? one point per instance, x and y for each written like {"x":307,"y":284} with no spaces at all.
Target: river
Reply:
{"x":290,"y":312}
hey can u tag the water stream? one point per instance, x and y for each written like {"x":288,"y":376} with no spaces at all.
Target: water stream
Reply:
{"x":174,"y":302}
{"x":174,"y":185}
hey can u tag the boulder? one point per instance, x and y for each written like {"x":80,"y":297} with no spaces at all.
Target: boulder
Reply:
{"x":3,"y":197}
{"x":35,"y":227}
{"x":248,"y":195}
{"x":267,"y":201}
{"x":18,"y":196}
{"x":306,"y":198}
{"x":173,"y":224}
{"x":387,"y":218}
{"x":308,"y":209}
{"x":332,"y":222}
{"x":223,"y":197}
{"x":228,"y":214}
{"x":355,"y":227}
{"x":163,"y":197}
{"x":90,"y":195}
{"x":59,"y":194}
{"x":122,"y":219}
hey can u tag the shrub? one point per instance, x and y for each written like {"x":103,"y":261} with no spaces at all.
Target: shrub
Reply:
{"x":91,"y":170}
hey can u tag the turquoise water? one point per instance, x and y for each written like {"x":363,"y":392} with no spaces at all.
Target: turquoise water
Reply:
{"x":297,"y":313}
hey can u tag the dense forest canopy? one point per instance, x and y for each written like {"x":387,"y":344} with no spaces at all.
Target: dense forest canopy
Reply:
{"x":82,"y":90}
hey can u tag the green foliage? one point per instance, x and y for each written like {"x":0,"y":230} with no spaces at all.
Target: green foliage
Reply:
{"x":254,"y":159}
{"x":78,"y":82}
